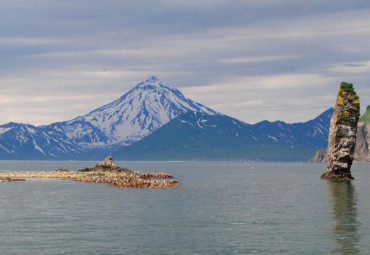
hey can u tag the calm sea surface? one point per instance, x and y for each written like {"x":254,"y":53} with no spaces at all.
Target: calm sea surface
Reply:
{"x":220,"y":208}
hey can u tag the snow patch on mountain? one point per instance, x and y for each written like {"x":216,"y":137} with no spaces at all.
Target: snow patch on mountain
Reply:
{"x":37,"y":147}
{"x":3,"y":130}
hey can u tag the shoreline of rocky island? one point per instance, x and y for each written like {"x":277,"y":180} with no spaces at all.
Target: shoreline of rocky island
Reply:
{"x":104,"y":172}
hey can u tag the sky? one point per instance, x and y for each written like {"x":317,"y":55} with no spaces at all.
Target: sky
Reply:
{"x":253,"y":60}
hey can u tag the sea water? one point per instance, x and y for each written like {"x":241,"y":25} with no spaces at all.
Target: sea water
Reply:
{"x":220,"y":208}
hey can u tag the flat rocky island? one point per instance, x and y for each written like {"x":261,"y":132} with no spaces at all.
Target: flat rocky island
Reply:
{"x":104,"y":172}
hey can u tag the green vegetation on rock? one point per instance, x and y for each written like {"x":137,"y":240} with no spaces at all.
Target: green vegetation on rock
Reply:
{"x":347,"y":87}
{"x":348,"y":104}
{"x":366,"y":116}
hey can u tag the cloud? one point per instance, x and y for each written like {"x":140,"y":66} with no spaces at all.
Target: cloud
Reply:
{"x":251,"y":59}
{"x":24,"y":41}
{"x":280,"y":97}
{"x":351,"y":68}
{"x":242,"y":60}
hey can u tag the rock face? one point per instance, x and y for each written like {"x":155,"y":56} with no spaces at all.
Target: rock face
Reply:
{"x":362,"y":150}
{"x":107,"y":163}
{"x":342,"y":134}
{"x":320,"y":156}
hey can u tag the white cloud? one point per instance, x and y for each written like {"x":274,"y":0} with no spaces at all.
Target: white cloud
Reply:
{"x":28,"y":41}
{"x":252,"y":60}
{"x":353,"y":68}
{"x":292,"y":98}
{"x":242,"y":60}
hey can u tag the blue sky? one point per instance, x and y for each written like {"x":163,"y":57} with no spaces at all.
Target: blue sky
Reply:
{"x":253,"y":60}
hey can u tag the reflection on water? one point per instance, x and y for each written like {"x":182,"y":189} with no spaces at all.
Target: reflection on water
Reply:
{"x":342,"y":203}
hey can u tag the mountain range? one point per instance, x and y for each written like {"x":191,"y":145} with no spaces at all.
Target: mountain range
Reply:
{"x":156,"y":122}
{"x":200,"y":136}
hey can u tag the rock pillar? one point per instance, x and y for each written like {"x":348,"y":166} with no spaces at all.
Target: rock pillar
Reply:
{"x":342,"y":134}
{"x":107,"y":163}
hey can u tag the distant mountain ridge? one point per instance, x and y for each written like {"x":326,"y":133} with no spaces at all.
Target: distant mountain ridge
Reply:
{"x":152,"y":111}
{"x":142,"y":110}
{"x":24,"y":141}
{"x":199,"y":136}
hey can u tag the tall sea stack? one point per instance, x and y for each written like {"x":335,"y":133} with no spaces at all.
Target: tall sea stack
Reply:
{"x":342,"y":134}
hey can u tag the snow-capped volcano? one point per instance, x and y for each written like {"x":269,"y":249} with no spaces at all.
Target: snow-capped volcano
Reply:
{"x":146,"y":108}
{"x":142,"y":110}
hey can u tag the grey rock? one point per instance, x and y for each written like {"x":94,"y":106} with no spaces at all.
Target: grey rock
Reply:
{"x":362,"y":151}
{"x":342,"y":135}
{"x":320,"y":156}
{"x":108,"y":162}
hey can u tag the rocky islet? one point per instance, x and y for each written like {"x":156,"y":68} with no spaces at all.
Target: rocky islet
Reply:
{"x":104,"y":172}
{"x":342,"y":134}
